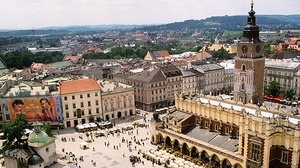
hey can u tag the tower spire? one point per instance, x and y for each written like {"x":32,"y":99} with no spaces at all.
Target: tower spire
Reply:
{"x":251,"y":30}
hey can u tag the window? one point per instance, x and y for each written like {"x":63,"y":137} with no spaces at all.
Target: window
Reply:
{"x":89,"y":103}
{"x":67,"y":115}
{"x":74,"y":105}
{"x":81,"y":96}
{"x":243,"y":67}
{"x":88,"y":95}
{"x":66,"y":107}
{"x":82,"y":112}
{"x":284,"y":157}
{"x":206,"y":124}
{"x":97,"y":103}
{"x":216,"y":127}
{"x":243,"y":86}
{"x":255,"y":152}
{"x":81,"y":104}
{"x":124,"y":103}
{"x":66,"y":98}
{"x":74,"y":114}
{"x":73,"y":97}
{"x":96,"y":94}
{"x":226,"y":130}
{"x":90,"y":111}
{"x":97,"y":110}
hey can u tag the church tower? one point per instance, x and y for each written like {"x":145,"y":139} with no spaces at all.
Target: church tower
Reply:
{"x":249,"y":64}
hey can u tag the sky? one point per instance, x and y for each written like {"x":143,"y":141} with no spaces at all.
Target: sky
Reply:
{"x":28,"y":14}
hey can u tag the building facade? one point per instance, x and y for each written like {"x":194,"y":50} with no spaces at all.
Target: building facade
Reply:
{"x":174,"y":81}
{"x":81,"y":101}
{"x":117,"y":100}
{"x":213,"y":82}
{"x":150,"y":89}
{"x":284,"y":72}
{"x":189,"y":82}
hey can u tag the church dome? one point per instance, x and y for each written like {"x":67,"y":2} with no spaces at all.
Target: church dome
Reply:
{"x":35,"y":160}
{"x":38,"y":135}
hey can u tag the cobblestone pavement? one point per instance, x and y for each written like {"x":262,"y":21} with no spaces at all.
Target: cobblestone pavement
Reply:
{"x":103,"y":156}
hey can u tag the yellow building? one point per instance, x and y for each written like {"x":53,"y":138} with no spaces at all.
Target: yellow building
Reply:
{"x":227,"y":133}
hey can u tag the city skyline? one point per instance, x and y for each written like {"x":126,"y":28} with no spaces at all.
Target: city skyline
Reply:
{"x":20,"y":14}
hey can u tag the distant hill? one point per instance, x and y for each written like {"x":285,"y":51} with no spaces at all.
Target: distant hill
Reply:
{"x":63,"y":30}
{"x":233,"y":23}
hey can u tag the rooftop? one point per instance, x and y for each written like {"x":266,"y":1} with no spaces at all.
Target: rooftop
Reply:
{"x":281,"y":64}
{"x":214,"y":138}
{"x":76,"y":86}
{"x":110,"y":86}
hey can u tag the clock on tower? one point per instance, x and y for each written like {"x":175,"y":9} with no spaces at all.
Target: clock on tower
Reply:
{"x":249,"y":64}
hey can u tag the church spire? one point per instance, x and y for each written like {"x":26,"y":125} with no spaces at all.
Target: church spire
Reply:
{"x":251,"y":30}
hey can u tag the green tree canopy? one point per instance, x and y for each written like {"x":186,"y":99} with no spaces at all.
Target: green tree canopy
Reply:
{"x":289,"y":94}
{"x":273,"y":88}
{"x":13,"y":132}
{"x":24,"y":58}
{"x":221,"y":54}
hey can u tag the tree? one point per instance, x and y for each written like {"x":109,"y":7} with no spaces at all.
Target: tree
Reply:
{"x":221,"y":54}
{"x":13,"y":132}
{"x":289,"y":94}
{"x":273,"y":88}
{"x":47,"y":130}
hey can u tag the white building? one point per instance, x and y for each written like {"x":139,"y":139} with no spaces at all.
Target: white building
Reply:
{"x":81,"y":102}
{"x":117,"y":100}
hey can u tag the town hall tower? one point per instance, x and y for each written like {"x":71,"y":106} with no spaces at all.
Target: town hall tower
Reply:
{"x":249,"y":64}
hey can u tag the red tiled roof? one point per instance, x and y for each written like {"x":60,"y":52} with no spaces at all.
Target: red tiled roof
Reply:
{"x":138,"y":35}
{"x":76,"y":86}
{"x":72,"y":58}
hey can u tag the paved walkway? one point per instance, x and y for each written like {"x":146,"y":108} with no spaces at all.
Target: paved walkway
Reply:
{"x":105,"y":157}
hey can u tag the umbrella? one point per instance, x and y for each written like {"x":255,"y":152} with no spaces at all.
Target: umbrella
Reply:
{"x":192,"y":164}
{"x":178,"y":161}
{"x":175,"y":166}
{"x":172,"y":156}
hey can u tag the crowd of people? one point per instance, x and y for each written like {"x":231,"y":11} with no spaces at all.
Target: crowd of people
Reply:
{"x":129,"y":140}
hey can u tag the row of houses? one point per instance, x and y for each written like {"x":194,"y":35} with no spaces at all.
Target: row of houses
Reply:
{"x":74,"y":102}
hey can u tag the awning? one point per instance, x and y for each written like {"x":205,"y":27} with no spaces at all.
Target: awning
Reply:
{"x":80,"y":127}
{"x":93,"y":125}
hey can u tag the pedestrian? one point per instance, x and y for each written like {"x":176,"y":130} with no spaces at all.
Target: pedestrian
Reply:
{"x":94,"y":149}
